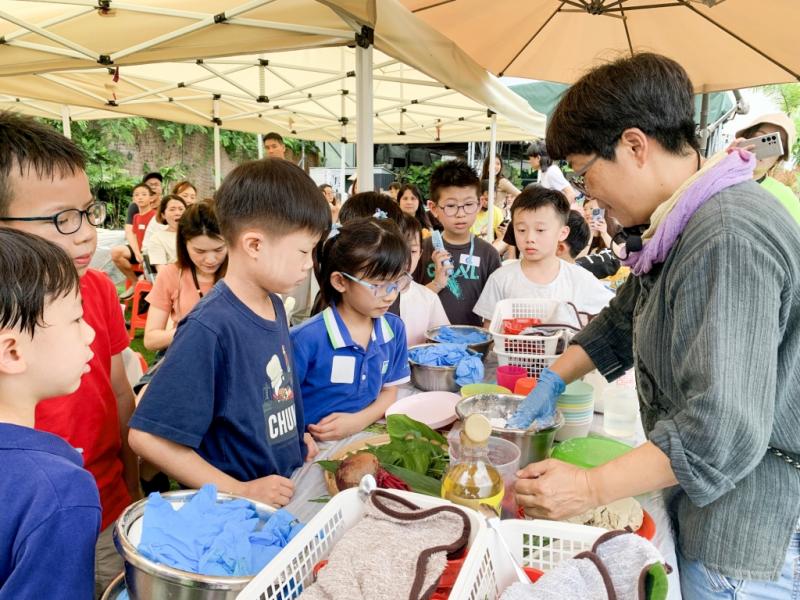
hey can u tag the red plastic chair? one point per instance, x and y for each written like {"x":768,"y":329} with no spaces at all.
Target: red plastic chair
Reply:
{"x":139,"y":292}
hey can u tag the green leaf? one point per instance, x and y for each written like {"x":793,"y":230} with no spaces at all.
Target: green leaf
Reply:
{"x":402,"y":427}
{"x":421,"y":484}
{"x":329,"y":465}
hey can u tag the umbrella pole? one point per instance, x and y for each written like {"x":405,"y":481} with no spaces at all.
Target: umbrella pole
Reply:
{"x":67,"y":124}
{"x":704,"y":125}
{"x":364,"y":111}
{"x":492,"y":155}
{"x":217,"y":155}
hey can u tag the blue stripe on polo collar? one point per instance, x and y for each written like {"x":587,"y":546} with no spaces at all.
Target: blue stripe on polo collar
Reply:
{"x":339,"y":336}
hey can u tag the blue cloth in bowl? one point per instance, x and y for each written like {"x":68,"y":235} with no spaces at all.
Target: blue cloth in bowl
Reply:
{"x":461,"y":336}
{"x":211,"y":538}
{"x":469,"y":366}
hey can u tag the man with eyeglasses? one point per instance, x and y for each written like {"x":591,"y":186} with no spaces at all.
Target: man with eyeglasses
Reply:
{"x":459,"y":272}
{"x":44,"y":190}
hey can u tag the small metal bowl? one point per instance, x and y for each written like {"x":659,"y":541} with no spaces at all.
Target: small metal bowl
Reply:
{"x":147,"y":579}
{"x":433,"y":379}
{"x":482,"y":348}
{"x":533,"y":445}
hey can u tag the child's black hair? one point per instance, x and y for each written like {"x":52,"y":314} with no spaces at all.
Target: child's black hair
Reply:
{"x":579,"y":233}
{"x":364,"y":204}
{"x":364,"y":248}
{"x":28,"y":145}
{"x":33,"y":271}
{"x":454,"y":173}
{"x":273,"y":195}
{"x":535,"y":197}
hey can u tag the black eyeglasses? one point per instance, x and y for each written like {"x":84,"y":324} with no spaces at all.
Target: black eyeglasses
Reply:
{"x":451,"y":210}
{"x":578,"y":178}
{"x":69,"y":221}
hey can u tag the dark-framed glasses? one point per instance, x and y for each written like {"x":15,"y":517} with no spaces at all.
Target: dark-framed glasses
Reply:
{"x":451,"y":210}
{"x":578,"y":178}
{"x":381,"y":290}
{"x":69,"y":221}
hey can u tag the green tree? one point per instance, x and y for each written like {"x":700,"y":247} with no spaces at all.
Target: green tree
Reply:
{"x":787,"y":95}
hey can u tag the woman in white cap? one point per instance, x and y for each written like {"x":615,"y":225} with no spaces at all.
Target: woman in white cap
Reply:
{"x":765,"y":167}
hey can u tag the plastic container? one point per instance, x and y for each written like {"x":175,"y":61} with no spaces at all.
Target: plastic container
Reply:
{"x":508,"y":375}
{"x":503,"y":454}
{"x":473,"y":389}
{"x":574,"y":430}
{"x":291,"y":571}
{"x":589,"y":452}
{"x":524,"y":386}
{"x":510,"y":315}
{"x":537,"y":544}
{"x":621,"y":413}
{"x":532,"y":363}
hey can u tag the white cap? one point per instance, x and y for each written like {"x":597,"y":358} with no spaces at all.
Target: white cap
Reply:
{"x":778,"y":119}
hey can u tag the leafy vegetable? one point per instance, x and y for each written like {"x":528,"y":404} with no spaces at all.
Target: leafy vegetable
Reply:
{"x":422,"y":484}
{"x":329,"y":465}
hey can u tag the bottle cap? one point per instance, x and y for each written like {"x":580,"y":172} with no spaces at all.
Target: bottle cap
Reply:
{"x":477,"y":428}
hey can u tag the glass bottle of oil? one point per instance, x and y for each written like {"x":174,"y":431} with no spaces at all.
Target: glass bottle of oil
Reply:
{"x":472,"y":479}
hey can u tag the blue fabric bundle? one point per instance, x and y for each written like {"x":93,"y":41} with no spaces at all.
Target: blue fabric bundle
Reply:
{"x":211,"y":538}
{"x":461,"y":336}
{"x":469,"y":366}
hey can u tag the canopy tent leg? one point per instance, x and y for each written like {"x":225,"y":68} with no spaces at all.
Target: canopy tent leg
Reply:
{"x":492,"y":155}
{"x":217,"y":155}
{"x":65,"y":121}
{"x":364,"y":111}
{"x":260,"y":138}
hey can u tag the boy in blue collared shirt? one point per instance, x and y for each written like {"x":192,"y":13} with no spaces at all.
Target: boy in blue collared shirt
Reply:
{"x":51,"y":508}
{"x":225,"y":407}
{"x":351,"y":357}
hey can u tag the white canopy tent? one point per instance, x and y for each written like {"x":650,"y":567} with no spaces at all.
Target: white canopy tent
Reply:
{"x":404,"y":92}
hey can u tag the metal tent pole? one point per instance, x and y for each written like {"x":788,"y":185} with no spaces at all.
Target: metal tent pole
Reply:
{"x":65,"y":121}
{"x":492,"y":155}
{"x":364,"y":111}
{"x":217,"y":155}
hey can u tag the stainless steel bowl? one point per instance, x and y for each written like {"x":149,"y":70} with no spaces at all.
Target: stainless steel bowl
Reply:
{"x":148,"y":580}
{"x":482,"y":348}
{"x":533,"y":445}
{"x":115,"y":588}
{"x":433,"y":379}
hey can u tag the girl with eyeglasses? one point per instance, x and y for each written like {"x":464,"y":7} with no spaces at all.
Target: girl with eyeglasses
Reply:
{"x":350,"y":358}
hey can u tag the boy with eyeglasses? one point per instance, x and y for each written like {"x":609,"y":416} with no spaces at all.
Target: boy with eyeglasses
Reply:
{"x":44,"y":190}
{"x":458,"y":273}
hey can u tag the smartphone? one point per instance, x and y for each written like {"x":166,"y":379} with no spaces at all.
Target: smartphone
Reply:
{"x":765,"y":146}
{"x":598,"y":214}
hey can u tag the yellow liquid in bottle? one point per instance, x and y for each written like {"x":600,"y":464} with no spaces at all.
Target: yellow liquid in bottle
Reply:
{"x":473,"y":483}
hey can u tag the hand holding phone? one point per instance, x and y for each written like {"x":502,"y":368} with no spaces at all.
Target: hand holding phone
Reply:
{"x":764,"y":146}
{"x":598,"y":214}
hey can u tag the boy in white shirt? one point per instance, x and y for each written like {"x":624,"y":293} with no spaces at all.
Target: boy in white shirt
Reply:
{"x":539,"y":217}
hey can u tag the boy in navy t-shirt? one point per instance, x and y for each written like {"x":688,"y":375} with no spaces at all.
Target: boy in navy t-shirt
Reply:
{"x":224,"y":407}
{"x":50,"y":506}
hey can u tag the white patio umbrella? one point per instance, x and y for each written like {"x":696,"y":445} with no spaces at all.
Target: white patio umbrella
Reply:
{"x":723,"y":44}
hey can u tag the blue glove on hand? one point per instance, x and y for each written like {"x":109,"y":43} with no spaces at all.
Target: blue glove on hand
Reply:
{"x":540,"y":404}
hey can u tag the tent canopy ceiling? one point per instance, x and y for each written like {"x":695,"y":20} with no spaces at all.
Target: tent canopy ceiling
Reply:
{"x":723,"y":44}
{"x":298,"y":93}
{"x":302,"y":94}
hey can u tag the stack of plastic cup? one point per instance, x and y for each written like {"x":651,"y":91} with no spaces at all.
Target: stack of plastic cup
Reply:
{"x":577,"y":406}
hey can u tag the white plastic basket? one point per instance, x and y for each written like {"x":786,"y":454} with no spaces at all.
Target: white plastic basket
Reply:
{"x":488,"y":570}
{"x":291,"y":571}
{"x":549,"y":312}
{"x":532,"y":363}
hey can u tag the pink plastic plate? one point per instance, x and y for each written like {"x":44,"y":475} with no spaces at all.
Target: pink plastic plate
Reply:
{"x":435,"y":409}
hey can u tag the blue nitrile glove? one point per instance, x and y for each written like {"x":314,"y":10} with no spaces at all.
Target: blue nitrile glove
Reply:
{"x":469,"y":370}
{"x":540,"y":404}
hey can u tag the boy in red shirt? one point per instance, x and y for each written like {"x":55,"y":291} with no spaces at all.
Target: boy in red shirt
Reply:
{"x":44,"y":190}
